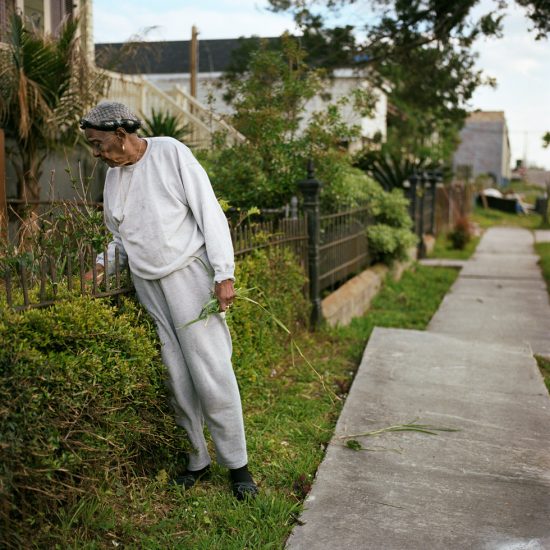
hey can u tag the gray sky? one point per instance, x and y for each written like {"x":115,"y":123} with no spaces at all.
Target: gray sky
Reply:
{"x":520,"y":64}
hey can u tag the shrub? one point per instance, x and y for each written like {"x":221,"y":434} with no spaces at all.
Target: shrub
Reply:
{"x":461,"y":234}
{"x":349,"y":187}
{"x":389,"y":236}
{"x":164,"y":123}
{"x":82,"y":396}
{"x":387,"y":244}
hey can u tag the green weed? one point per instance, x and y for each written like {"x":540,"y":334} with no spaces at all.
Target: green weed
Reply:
{"x":543,"y":250}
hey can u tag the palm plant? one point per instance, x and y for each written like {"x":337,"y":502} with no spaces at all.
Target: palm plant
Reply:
{"x":46,"y":84}
{"x":163,"y":123}
{"x":390,"y":167}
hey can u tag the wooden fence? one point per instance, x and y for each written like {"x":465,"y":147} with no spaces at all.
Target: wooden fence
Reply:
{"x":451,"y":203}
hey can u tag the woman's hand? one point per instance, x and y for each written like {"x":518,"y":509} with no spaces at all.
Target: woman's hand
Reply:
{"x":225,"y":293}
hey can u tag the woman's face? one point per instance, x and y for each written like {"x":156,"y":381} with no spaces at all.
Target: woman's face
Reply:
{"x":107,"y":145}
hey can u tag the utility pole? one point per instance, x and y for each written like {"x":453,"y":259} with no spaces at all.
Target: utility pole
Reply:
{"x":193,"y":57}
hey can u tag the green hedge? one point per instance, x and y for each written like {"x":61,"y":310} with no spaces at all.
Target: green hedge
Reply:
{"x":82,"y":399}
{"x":82,"y":403}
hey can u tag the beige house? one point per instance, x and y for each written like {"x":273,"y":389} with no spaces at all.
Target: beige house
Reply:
{"x":47,"y":16}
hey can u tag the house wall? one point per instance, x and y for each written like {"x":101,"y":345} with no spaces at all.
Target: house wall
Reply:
{"x":506,"y":157}
{"x":54,"y":171}
{"x":210,"y":93}
{"x":484,"y":147}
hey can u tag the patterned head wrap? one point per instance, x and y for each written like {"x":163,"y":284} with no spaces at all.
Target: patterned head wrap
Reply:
{"x":110,"y":115}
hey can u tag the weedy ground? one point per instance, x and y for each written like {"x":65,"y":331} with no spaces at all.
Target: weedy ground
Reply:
{"x":289,"y":420}
{"x":543,"y":250}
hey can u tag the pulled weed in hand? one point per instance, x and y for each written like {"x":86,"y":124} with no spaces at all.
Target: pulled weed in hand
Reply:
{"x":212,"y":306}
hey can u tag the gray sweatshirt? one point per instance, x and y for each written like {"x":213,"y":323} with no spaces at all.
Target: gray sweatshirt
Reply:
{"x":163,"y":213}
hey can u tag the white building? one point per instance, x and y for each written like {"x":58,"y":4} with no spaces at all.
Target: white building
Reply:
{"x":167,"y":66}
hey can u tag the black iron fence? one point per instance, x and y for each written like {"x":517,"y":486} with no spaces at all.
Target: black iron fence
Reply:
{"x":331,"y":248}
{"x":343,"y":246}
{"x":421,"y":192}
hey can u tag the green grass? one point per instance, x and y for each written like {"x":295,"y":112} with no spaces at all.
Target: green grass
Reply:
{"x":529,"y":191}
{"x":289,"y":420}
{"x":443,"y":248}
{"x":544,"y":366}
{"x":488,"y":217}
{"x":543,"y":250}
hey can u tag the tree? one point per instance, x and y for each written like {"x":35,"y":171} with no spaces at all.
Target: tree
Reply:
{"x":45,"y":86}
{"x":422,"y":49}
{"x":268,"y":94}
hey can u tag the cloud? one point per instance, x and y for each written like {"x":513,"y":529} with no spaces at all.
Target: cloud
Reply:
{"x":215,"y":19}
{"x":521,"y":66}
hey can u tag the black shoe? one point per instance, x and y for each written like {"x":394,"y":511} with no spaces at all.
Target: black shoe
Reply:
{"x":190,"y":477}
{"x":244,"y":489}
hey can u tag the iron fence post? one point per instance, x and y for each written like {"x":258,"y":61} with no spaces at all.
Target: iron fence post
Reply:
{"x":310,"y":188}
{"x":413,"y":181}
{"x":421,"y":250}
{"x":3,"y":199}
{"x":434,"y":180}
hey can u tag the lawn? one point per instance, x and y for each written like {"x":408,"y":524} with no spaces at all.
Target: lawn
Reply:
{"x":488,"y":217}
{"x":543,"y":250}
{"x":444,"y":249}
{"x":484,"y":218}
{"x":529,"y":191}
{"x":289,"y":419}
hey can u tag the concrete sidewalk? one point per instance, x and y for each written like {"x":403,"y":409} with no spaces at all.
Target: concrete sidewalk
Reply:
{"x":485,"y":486}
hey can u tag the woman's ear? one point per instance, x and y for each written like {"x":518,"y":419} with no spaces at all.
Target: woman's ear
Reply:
{"x":121,"y":135}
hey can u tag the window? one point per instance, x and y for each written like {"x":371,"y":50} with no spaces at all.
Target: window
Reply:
{"x":7,"y":7}
{"x":60,"y":9}
{"x":34,"y":14}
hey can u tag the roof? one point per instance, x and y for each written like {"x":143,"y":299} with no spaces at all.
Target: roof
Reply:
{"x":167,"y":57}
{"x":486,"y":116}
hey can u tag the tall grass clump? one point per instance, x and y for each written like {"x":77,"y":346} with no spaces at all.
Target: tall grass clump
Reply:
{"x":274,"y":279}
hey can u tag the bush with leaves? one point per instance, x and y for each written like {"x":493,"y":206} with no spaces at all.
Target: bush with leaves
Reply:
{"x":389,"y":236}
{"x":164,"y":123}
{"x":257,"y":340}
{"x":83,"y":405}
{"x":461,"y":234}
{"x":269,"y":99}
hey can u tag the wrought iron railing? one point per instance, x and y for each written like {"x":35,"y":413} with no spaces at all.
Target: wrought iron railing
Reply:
{"x":343,"y":246}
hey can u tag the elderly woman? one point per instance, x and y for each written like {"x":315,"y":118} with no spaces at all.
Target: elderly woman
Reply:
{"x":168,"y":226}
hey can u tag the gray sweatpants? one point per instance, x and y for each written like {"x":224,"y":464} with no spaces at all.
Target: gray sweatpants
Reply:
{"x":198,"y":360}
